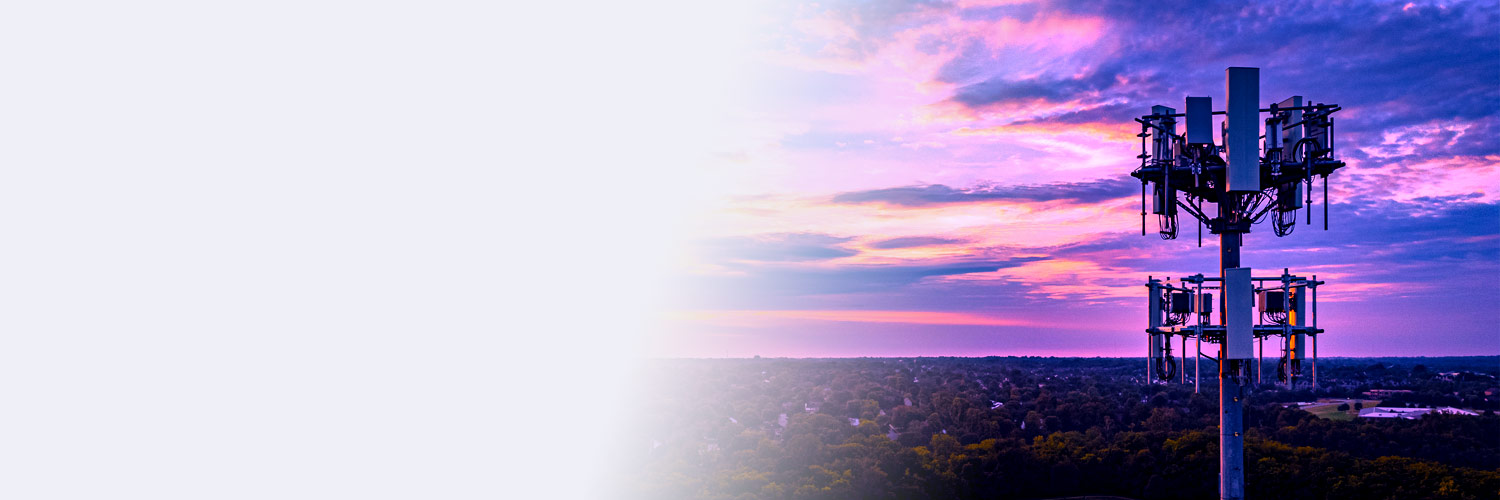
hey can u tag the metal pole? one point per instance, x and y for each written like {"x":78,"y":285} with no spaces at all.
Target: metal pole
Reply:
{"x":1286,"y":350}
{"x":1315,"y":329}
{"x":1242,"y":90}
{"x":1307,"y":160}
{"x":1231,"y":390}
{"x":1197,"y":335}
{"x":1286,"y":325}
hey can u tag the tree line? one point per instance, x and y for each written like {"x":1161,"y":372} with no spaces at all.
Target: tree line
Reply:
{"x":1018,"y":428}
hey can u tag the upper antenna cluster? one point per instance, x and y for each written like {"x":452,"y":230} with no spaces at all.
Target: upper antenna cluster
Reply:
{"x":1270,"y":173}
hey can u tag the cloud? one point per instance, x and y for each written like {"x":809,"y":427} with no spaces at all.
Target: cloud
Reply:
{"x":1389,"y":66}
{"x":803,"y":285}
{"x":1394,"y":66}
{"x":914,"y":241}
{"x":937,"y":194}
{"x":786,"y":247}
{"x":1003,"y":88}
{"x":1113,"y":115}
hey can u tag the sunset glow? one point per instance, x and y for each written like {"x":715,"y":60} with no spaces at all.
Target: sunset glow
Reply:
{"x":926,"y":168}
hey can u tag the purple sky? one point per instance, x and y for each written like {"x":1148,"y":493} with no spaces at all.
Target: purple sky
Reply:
{"x":951,"y":178}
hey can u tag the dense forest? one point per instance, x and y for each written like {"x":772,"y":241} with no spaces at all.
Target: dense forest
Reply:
{"x":1046,"y":428}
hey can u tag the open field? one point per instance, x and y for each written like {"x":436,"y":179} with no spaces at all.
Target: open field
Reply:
{"x":1329,"y":408}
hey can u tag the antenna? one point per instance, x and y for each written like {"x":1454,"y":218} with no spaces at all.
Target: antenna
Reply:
{"x":1246,"y":178}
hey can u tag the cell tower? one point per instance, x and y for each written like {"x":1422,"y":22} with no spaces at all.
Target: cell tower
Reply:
{"x":1248,"y":177}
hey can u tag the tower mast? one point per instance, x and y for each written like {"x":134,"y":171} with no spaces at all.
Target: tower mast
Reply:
{"x":1248,"y":180}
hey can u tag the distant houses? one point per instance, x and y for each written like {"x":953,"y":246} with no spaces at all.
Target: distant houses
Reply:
{"x":1387,"y":412}
{"x":1385,"y":393}
{"x":1410,"y":413}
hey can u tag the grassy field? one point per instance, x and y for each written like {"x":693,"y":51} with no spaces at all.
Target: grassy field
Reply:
{"x":1330,"y":408}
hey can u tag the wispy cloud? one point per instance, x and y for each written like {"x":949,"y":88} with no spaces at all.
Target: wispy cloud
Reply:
{"x":778,"y":247}
{"x":914,"y":241}
{"x":919,"y":196}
